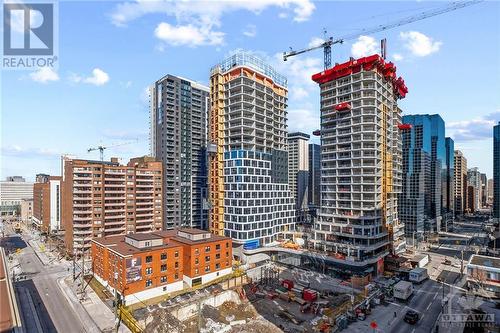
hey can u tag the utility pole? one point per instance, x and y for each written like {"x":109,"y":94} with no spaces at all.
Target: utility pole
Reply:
{"x":462,"y":264}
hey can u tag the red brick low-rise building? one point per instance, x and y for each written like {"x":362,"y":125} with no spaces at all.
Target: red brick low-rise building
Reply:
{"x":145,"y":265}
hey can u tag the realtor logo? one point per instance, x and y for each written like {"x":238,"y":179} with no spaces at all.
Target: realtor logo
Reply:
{"x":30,"y":35}
{"x":28,"y":29}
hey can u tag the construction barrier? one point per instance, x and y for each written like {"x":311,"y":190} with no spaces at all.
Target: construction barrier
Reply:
{"x":129,"y":320}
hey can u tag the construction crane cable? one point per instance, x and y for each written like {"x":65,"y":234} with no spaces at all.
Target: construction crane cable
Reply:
{"x":329,"y":42}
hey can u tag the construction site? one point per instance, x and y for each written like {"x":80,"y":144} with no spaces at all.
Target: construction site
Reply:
{"x":277,"y":299}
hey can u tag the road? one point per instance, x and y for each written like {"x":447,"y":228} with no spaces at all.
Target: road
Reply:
{"x":43,"y":306}
{"x":426,"y":300}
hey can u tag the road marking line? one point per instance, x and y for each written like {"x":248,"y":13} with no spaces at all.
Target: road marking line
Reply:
{"x":428,"y":306}
{"x":413,"y":331}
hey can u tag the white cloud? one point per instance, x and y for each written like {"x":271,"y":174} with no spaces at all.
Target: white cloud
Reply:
{"x":298,"y":70}
{"x":419,"y":44}
{"x":30,"y":152}
{"x":195,"y":20}
{"x":98,"y":77}
{"x":364,"y":46}
{"x":303,"y":10}
{"x":303,"y":120}
{"x":190,"y":35}
{"x":250,"y":30}
{"x":316,"y":41}
{"x":397,"y":57}
{"x":479,"y":128}
{"x":44,"y":75}
{"x":298,"y":92}
{"x":186,"y":10}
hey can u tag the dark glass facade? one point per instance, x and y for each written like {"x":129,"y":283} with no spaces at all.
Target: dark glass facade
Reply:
{"x":496,"y":171}
{"x":314,"y":175}
{"x":422,"y":202}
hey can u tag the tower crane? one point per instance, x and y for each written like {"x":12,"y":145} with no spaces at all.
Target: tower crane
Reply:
{"x":330,"y":41}
{"x":102,"y":148}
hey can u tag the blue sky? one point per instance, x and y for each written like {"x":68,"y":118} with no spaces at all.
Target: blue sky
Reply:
{"x":109,"y":52}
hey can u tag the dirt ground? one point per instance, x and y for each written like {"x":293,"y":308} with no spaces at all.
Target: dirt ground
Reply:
{"x":215,"y":320}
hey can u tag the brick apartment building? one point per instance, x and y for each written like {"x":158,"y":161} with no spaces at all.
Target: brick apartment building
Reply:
{"x":101,"y":198}
{"x":47,"y":203}
{"x":141,"y":266}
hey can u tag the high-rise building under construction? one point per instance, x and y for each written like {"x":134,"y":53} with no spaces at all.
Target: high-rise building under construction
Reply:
{"x":358,"y":222}
{"x":248,"y":175}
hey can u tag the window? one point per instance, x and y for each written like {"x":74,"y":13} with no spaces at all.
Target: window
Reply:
{"x":227,"y":244}
{"x":176,"y":254}
{"x":207,"y":258}
{"x":217,"y":266}
{"x":176,"y":264}
{"x":149,"y":259}
{"x":196,"y":271}
{"x":207,"y":268}
{"x":207,"y":248}
{"x":163,"y":279}
{"x":196,"y":251}
{"x":196,"y":261}
{"x":163,"y":267}
{"x":176,"y":276}
{"x":163,"y":256}
{"x":217,"y":247}
{"x":227,"y":254}
{"x":149,"y":283}
{"x":217,"y":256}
{"x":149,"y":270}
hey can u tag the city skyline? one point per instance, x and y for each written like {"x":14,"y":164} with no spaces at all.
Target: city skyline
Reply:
{"x":103,"y":81}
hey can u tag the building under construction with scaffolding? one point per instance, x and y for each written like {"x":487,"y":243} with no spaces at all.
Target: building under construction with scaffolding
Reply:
{"x":358,"y":223}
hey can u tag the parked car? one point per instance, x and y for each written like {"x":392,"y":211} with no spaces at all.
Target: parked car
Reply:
{"x":411,"y":317}
{"x":447,"y":262}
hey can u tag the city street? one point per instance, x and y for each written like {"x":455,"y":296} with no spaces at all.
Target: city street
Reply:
{"x":43,"y":306}
{"x":426,"y":300}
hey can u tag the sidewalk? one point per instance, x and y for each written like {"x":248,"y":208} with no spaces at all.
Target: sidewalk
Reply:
{"x":101,"y":316}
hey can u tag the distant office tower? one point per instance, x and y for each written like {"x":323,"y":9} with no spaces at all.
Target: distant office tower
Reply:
{"x":424,"y":174}
{"x":361,"y":164}
{"x":474,"y":184}
{"x":460,"y":183}
{"x":298,"y":171}
{"x":101,"y":198}
{"x":248,"y":174}
{"x":496,"y":171}
{"x":490,"y":191}
{"x":314,"y":175}
{"x":47,"y":203}
{"x":179,"y":109}
{"x":12,"y":191}
{"x":449,"y":193}
{"x":484,"y":190}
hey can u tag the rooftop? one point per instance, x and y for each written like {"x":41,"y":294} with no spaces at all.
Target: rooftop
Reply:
{"x":242,"y":58}
{"x":170,"y":238}
{"x":143,"y":236}
{"x":298,"y":135}
{"x":485,"y":261}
